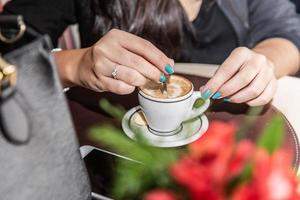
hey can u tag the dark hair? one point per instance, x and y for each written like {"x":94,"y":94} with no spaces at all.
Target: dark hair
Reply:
{"x":160,"y":21}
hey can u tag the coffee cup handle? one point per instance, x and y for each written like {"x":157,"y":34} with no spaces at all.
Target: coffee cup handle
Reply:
{"x":195,"y":112}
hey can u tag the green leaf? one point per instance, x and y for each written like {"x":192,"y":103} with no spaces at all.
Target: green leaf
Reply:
{"x":272,"y":137}
{"x":247,"y":172}
{"x":112,"y":137}
{"x":116,"y":111}
{"x":245,"y":175}
{"x":198,"y":103}
{"x":129,"y":180}
{"x":133,"y":179}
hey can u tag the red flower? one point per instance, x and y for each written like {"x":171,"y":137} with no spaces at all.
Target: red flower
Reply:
{"x":197,"y":178}
{"x":219,"y":136}
{"x":215,"y":160}
{"x":201,"y":181}
{"x":160,"y":194}
{"x":278,"y":180}
{"x":204,"y":171}
{"x":240,"y":157}
{"x":272,"y":179}
{"x":247,"y":192}
{"x":214,"y":149}
{"x":186,"y":172}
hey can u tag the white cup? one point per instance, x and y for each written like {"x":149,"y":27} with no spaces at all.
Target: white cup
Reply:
{"x":165,"y":116}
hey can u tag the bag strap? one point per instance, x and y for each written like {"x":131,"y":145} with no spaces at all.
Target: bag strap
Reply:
{"x":12,"y":21}
{"x":15,"y":33}
{"x":14,"y":122}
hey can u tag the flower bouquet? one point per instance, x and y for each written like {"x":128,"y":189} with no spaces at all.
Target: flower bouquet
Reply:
{"x":221,"y":165}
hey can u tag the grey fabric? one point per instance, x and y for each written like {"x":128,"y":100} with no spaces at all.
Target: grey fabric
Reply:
{"x":256,"y":20}
{"x":12,"y":108}
{"x":48,"y":166}
{"x":237,"y":13}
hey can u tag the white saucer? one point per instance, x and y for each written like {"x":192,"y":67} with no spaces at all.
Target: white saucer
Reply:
{"x":133,"y":124}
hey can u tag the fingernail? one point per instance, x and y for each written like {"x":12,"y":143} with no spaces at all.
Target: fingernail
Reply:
{"x":206,"y":94}
{"x":162,"y":79}
{"x":169,"y":69}
{"x":217,"y":95}
{"x":226,"y":100}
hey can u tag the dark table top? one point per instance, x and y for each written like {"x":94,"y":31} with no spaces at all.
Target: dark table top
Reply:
{"x":85,"y":110}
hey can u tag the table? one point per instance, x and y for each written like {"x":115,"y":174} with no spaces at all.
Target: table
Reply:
{"x":88,"y":113}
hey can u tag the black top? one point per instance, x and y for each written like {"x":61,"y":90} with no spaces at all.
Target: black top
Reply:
{"x":214,"y":37}
{"x":48,"y":16}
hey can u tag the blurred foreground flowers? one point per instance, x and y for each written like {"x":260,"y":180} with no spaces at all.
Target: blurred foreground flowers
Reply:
{"x":216,"y":168}
{"x":220,"y":165}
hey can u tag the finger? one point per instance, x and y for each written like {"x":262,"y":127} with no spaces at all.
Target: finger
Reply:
{"x":242,"y":79}
{"x":108,"y":56}
{"x":114,"y":49}
{"x":230,"y":67}
{"x":115,"y":86}
{"x":105,"y":67}
{"x":255,"y":88}
{"x":238,"y":82}
{"x":146,"y":50}
{"x":130,"y":76}
{"x":266,"y":96}
{"x":93,"y":83}
{"x":139,"y":64}
{"x":126,"y":74}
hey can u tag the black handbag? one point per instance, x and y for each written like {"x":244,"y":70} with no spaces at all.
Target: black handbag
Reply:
{"x":39,"y":152}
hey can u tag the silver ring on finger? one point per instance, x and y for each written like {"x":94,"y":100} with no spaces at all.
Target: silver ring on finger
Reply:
{"x":115,"y":72}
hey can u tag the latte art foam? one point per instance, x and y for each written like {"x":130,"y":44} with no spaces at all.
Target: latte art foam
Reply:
{"x":177,"y":87}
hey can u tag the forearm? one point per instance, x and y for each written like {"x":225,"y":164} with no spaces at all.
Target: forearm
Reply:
{"x":68,"y":62}
{"x":282,"y":53}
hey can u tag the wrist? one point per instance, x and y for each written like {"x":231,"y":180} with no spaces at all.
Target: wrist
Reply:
{"x":274,"y":49}
{"x":65,"y":69}
{"x":268,"y":59}
{"x":69,"y":64}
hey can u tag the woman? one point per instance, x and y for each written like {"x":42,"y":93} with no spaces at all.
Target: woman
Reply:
{"x":188,"y":30}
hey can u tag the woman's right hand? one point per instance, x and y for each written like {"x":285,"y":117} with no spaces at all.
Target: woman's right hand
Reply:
{"x":134,"y":59}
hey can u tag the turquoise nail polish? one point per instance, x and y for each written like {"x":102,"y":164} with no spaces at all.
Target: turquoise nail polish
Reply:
{"x":226,"y":100}
{"x":217,"y":95}
{"x":206,"y":94}
{"x":169,"y":69}
{"x":162,"y":79}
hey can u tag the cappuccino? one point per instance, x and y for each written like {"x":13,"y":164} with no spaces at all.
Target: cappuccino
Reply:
{"x":178,"y":86}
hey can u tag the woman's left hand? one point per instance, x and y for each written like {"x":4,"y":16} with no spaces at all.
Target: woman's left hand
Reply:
{"x":245,"y":77}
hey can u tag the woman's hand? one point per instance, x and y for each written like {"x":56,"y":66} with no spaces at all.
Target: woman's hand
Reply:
{"x":118,"y":63}
{"x":244,"y":77}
